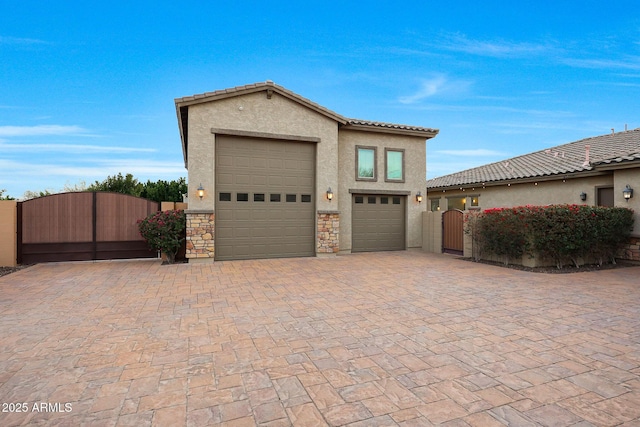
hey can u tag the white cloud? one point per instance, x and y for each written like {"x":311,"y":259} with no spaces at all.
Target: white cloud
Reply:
{"x":71,"y":148}
{"x":100,"y":168}
{"x":42,"y":130}
{"x":495,"y":48}
{"x":626,"y":63}
{"x":20,"y":41}
{"x":438,"y":84}
{"x":427,"y":88}
{"x":20,"y":176}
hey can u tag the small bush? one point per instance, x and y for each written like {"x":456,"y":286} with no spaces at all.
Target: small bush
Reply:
{"x":163,"y":231}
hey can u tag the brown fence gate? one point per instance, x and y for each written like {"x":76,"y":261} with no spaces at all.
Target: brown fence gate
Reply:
{"x":82,"y":226}
{"x":452,"y":232}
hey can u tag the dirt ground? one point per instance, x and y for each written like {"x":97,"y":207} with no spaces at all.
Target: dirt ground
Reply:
{"x":565,"y":269}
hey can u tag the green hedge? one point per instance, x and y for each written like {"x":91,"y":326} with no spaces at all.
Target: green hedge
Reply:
{"x":561,"y":233}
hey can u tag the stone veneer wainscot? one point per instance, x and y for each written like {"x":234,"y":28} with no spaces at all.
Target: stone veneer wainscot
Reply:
{"x":632,"y":250}
{"x":200,"y":235}
{"x":328,"y":232}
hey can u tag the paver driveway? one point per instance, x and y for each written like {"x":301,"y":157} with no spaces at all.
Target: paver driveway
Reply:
{"x":400,"y":338}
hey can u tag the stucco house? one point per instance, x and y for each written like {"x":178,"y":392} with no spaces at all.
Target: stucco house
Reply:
{"x":597,"y":171}
{"x":273,"y":174}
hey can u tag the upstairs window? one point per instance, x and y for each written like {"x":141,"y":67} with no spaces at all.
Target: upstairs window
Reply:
{"x":365,"y":163}
{"x":394,"y":165}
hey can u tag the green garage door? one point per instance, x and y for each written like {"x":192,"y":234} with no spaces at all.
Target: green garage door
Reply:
{"x":264,"y":198}
{"x":378,"y":223}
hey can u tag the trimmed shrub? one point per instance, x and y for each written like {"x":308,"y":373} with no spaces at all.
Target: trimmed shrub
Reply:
{"x":503,"y":233}
{"x":564,"y":234}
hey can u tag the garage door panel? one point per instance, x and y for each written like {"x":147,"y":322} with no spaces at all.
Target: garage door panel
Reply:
{"x":239,"y":215}
{"x":242,"y":162}
{"x":258,"y":180}
{"x":224,"y":179}
{"x":275,"y":163}
{"x":224,"y":233}
{"x":377,"y":226}
{"x":264,"y":229}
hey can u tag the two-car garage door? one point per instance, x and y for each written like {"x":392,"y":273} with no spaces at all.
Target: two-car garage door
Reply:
{"x":264,"y":198}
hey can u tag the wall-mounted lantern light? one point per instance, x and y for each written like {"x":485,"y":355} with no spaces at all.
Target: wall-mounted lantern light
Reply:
{"x":200,"y":191}
{"x":627,"y":192}
{"x":419,"y":197}
{"x":583,"y":196}
{"x":329,"y":194}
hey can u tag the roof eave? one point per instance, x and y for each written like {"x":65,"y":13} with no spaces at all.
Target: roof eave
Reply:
{"x":426,"y":133}
{"x":500,"y":182}
{"x":258,"y":87}
{"x":182,"y":136}
{"x":624,"y":164}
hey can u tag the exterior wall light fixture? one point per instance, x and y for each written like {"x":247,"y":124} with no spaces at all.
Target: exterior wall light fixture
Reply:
{"x":627,"y":192}
{"x":200,"y":191}
{"x":583,"y":196}
{"x":419,"y":197}
{"x":329,"y":194}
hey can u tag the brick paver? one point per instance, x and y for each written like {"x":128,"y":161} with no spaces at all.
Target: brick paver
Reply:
{"x":381,"y":339}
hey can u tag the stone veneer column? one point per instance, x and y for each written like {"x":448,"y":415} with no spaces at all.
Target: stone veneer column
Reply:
{"x":328,"y":232}
{"x":200,"y":232}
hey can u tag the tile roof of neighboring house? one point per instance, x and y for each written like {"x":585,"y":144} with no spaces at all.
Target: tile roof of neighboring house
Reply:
{"x":571,"y":158}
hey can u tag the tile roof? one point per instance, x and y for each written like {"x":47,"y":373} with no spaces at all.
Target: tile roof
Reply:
{"x":609,"y":149}
{"x":356,"y":122}
{"x":257,"y":87}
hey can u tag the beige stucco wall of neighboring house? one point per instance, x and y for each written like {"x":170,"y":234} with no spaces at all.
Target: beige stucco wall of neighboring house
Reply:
{"x":548,"y":192}
{"x":622,"y":178}
{"x":260,"y":116}
{"x":8,"y":233}
{"x":544,"y":193}
{"x":415,"y":171}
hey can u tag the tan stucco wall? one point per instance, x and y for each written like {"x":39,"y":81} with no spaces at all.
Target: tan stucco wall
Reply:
{"x":8,"y":233}
{"x":432,"y":232}
{"x":415,"y":171}
{"x":545,"y":193}
{"x":621,"y":178}
{"x":257,"y":114}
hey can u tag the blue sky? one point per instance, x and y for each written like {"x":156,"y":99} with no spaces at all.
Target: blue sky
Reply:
{"x":87,"y":89}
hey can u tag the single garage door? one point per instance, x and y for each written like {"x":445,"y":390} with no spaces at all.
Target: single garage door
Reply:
{"x":378,"y":223}
{"x":264,"y":198}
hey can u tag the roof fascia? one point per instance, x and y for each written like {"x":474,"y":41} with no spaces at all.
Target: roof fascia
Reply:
{"x":395,"y":131}
{"x":204,"y":98}
{"x":625,"y":164}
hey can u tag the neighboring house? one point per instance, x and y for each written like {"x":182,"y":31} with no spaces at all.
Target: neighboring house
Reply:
{"x":594,"y":171}
{"x":273,"y":174}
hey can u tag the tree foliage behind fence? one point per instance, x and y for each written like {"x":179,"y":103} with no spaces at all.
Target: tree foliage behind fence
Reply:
{"x":564,"y":234}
